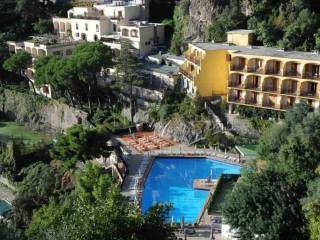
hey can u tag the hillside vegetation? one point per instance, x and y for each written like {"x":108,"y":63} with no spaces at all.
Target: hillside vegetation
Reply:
{"x":293,"y":24}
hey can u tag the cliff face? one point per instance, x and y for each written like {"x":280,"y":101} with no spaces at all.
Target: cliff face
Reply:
{"x":39,"y":113}
{"x":201,"y":15}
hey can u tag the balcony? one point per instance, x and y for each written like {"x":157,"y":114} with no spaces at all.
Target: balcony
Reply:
{"x":273,"y":67}
{"x":276,"y":72}
{"x":253,"y":82}
{"x":269,"y":104}
{"x":273,"y":89}
{"x":289,"y":91}
{"x":255,"y":70}
{"x":309,"y":89}
{"x":311,"y":71}
{"x":236,"y":85}
{"x":239,"y":68}
{"x":187,"y":73}
{"x":311,"y":75}
{"x":292,"y":74}
{"x":238,"y":64}
{"x":193,"y":59}
{"x":309,"y":94}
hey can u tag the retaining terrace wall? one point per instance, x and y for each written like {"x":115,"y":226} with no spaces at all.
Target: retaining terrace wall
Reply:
{"x":38,"y":112}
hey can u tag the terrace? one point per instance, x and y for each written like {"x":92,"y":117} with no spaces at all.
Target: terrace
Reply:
{"x":289,"y":87}
{"x":311,"y":71}
{"x":270,"y":84}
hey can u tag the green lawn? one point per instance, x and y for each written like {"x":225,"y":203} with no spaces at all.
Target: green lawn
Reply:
{"x":224,"y":188}
{"x":13,"y":131}
{"x":249,"y":149}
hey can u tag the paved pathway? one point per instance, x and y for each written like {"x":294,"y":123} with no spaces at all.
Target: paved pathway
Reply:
{"x":6,"y":194}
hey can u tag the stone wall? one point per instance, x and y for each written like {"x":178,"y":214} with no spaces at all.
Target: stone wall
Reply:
{"x":185,"y":132}
{"x":38,"y":112}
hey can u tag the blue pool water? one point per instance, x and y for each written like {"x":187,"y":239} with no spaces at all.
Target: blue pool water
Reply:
{"x":170,"y":180}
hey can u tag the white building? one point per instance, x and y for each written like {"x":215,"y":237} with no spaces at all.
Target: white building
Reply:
{"x":44,"y":46}
{"x":110,"y":22}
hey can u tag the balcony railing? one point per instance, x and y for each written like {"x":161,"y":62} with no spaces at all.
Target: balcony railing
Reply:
{"x":236,"y":100}
{"x":269,"y":104}
{"x":251,"y":101}
{"x":273,"y":72}
{"x":193,"y":59}
{"x":292,"y":74}
{"x":255,"y":70}
{"x":289,"y":91}
{"x":236,"y":85}
{"x":186,"y":73}
{"x":270,"y":89}
{"x":310,"y":75}
{"x":238,"y":68}
{"x":253,"y":87}
{"x":309,"y":94}
{"x":285,"y":106}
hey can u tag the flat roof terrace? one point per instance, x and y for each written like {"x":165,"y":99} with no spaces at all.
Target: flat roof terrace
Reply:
{"x":259,"y":51}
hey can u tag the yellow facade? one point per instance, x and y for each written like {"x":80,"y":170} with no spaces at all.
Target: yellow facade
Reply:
{"x":252,"y":76}
{"x":241,"y":37}
{"x":207,"y":71}
{"x":273,"y":83}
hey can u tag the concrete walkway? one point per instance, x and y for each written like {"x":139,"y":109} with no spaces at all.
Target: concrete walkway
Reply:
{"x":6,"y":194}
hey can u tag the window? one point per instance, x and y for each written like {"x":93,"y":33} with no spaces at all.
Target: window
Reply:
{"x":97,"y":28}
{"x":57,"y":53}
{"x":77,"y":34}
{"x":119,"y":14}
{"x":68,"y":52}
{"x":114,"y":27}
{"x":86,"y":26}
{"x":83,"y":36}
{"x":77,"y":26}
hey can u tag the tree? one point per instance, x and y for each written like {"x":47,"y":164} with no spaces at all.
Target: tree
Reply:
{"x":80,"y":144}
{"x":8,"y":160}
{"x":3,"y":55}
{"x":263,"y":205}
{"x":83,"y":214}
{"x":271,"y":196}
{"x":84,"y":65}
{"x":300,"y":33}
{"x":53,"y":71}
{"x":180,"y":20}
{"x":19,"y":62}
{"x":92,"y":183}
{"x":43,"y":26}
{"x":126,"y":72}
{"x":230,"y":18}
{"x":39,"y":183}
{"x":311,"y":206}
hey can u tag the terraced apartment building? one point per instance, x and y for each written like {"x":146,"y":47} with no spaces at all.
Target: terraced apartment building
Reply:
{"x":251,"y":75}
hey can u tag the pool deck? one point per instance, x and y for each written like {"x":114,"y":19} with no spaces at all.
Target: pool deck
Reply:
{"x":139,"y":164}
{"x":6,"y":194}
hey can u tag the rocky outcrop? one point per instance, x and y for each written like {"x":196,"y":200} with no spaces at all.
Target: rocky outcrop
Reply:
{"x":38,"y":112}
{"x":185,"y":132}
{"x":202,"y":13}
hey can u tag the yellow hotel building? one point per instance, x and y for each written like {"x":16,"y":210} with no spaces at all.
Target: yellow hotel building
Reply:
{"x":251,"y":75}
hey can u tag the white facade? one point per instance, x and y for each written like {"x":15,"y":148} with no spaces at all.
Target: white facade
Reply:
{"x":112,"y":21}
{"x":43,"y":46}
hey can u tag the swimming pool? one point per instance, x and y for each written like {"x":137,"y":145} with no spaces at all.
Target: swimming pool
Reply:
{"x":170,"y":180}
{"x":4,"y":207}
